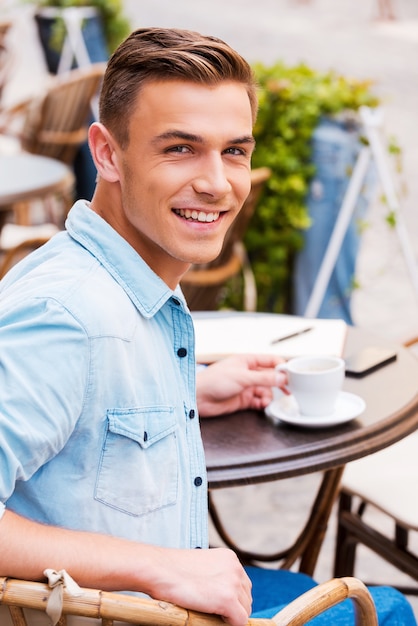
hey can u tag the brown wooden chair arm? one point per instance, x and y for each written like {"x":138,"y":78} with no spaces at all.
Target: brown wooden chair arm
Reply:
{"x":18,"y":594}
{"x":19,"y":107}
{"x":105,"y":605}
{"x":12,"y":255}
{"x":259,"y":175}
{"x":213,"y":275}
{"x":9,"y":116}
{"x":75,"y":137}
{"x":324,"y":596}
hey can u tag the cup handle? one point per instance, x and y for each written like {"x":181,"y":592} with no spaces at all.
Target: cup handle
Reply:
{"x":282,"y":367}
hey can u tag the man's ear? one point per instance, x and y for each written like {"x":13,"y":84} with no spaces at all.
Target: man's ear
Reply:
{"x":103,"y":150}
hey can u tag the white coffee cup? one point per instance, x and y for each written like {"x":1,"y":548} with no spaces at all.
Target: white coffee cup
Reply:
{"x":315,"y":382}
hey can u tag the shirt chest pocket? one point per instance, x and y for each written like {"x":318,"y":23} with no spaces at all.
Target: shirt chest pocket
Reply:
{"x":138,"y":470}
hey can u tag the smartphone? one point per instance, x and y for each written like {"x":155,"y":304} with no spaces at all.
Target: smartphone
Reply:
{"x":368,"y":360}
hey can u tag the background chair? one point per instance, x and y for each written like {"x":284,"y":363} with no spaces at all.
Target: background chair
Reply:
{"x":384,"y":482}
{"x":55,"y":124}
{"x":18,"y":595}
{"x":5,"y":54}
{"x":202,"y":285}
{"x":28,"y":239}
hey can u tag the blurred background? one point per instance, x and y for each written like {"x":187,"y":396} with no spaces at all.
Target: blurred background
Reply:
{"x":372,"y":41}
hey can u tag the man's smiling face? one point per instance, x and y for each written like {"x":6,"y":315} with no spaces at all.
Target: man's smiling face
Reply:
{"x":185,"y":173}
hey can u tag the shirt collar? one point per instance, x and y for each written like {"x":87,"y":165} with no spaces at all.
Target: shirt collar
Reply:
{"x":147,"y":291}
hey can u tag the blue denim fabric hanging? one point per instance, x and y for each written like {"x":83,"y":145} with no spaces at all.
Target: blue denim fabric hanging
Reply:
{"x":336,"y":145}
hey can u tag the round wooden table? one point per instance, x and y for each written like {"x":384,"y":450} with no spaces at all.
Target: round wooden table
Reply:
{"x":246,"y":447}
{"x":27,"y":177}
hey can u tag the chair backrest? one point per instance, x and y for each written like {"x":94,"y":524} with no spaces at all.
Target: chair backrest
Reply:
{"x":16,"y":253}
{"x":4,"y":29}
{"x":202,"y":284}
{"x":377,"y":509}
{"x":56,"y":123}
{"x":18,"y":595}
{"x":5,"y":54}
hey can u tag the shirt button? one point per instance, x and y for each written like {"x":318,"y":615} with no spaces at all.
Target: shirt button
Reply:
{"x":192,"y":413}
{"x":198,"y":481}
{"x":181,"y":352}
{"x":175,"y":301}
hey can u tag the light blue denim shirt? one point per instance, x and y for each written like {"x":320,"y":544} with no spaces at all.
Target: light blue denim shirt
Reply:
{"x":98,"y":421}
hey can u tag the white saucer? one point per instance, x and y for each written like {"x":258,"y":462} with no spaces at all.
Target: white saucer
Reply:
{"x":348,"y":407}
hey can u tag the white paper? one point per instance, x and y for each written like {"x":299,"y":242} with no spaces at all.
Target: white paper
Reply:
{"x":220,"y":335}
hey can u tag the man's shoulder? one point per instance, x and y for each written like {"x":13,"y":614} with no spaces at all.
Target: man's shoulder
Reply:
{"x":70,"y":276}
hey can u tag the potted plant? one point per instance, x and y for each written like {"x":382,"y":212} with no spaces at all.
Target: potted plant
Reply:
{"x":103,"y":26}
{"x":300,"y":108}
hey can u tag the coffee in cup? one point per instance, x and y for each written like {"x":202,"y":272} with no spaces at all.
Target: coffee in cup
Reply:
{"x":315,"y":382}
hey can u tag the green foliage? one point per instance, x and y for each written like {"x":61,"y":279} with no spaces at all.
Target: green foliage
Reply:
{"x":116,"y":25}
{"x":391,"y":219}
{"x":292,"y":101}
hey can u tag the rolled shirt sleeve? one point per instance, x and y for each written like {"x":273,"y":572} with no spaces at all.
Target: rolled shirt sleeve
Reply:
{"x":43,"y":373}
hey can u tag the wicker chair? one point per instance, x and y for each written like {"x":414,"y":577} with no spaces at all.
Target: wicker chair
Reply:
{"x":112,"y":608}
{"x":11,"y":255}
{"x":5,"y":55}
{"x":55,"y":124}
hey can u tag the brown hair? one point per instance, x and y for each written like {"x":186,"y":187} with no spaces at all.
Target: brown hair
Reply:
{"x":163,"y":54}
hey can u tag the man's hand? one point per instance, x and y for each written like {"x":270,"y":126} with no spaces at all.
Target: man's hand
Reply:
{"x":238,"y":382}
{"x":211,"y":581}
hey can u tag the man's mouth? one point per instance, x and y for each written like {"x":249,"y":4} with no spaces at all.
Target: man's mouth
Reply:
{"x":197,"y":216}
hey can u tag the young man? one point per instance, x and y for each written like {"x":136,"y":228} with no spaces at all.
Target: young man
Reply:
{"x":102,"y":470}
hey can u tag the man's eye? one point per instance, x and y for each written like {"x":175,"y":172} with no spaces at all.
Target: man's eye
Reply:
{"x":179,"y":149}
{"x":235,"y":151}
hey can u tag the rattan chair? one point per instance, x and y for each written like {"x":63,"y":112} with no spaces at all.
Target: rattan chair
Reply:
{"x":13,"y":253}
{"x":56,"y":123}
{"x":202,"y":284}
{"x":112,"y":608}
{"x":5,"y":54}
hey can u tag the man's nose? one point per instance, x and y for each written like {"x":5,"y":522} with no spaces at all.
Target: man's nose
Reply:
{"x":212,"y":178}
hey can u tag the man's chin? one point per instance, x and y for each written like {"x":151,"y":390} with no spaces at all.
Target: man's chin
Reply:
{"x":203,"y":256}
{"x":204,"y":260}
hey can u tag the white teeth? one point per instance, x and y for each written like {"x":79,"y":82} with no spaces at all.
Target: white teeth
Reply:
{"x":200,"y":216}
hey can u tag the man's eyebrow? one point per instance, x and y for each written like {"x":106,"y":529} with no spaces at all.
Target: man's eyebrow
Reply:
{"x":245,"y":139}
{"x":179,"y":135}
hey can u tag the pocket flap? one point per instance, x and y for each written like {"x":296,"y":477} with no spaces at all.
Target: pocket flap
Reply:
{"x":146,"y":426}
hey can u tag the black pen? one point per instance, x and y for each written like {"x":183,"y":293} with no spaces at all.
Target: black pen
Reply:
{"x":299,"y":332}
